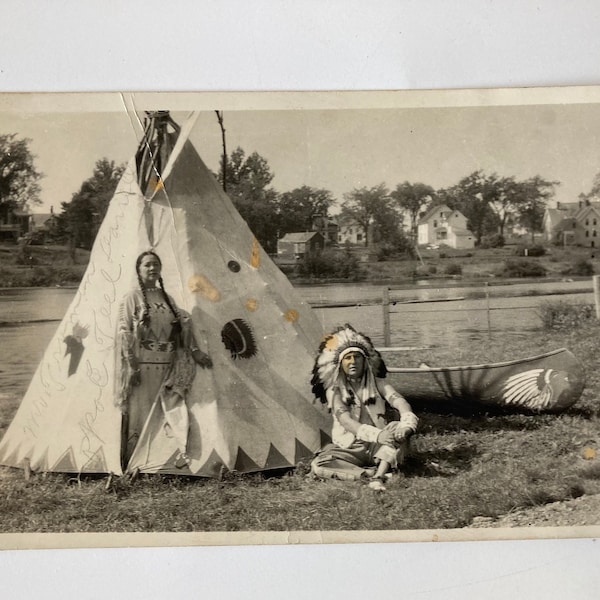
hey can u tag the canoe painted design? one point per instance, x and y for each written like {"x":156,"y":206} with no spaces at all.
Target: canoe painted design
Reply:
{"x":546,"y":383}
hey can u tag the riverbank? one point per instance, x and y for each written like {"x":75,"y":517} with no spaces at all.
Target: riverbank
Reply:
{"x":41,"y":266}
{"x":474,"y":265}
{"x":56,"y":265}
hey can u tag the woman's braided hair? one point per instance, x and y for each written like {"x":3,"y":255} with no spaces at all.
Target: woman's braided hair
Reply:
{"x":176,"y":330}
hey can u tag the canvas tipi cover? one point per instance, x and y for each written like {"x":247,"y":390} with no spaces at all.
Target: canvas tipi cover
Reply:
{"x":252,"y":411}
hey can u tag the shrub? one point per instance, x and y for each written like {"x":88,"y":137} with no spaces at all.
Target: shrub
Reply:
{"x":401,"y":246}
{"x":522,"y":268}
{"x":287,"y":268}
{"x":386,"y":251}
{"x":535,"y":250}
{"x":70,"y":275}
{"x":331,"y":263}
{"x":453,"y":269}
{"x":7,"y":276}
{"x":494,"y":240}
{"x":25,"y":258}
{"x":558,"y":314}
{"x":41,"y":276}
{"x":406,"y":271}
{"x":424,"y":270}
{"x":581,"y":267}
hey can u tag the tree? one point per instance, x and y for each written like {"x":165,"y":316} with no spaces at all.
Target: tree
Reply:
{"x":387,"y":232}
{"x":489,"y":200}
{"x":367,"y":207}
{"x":594,"y":193}
{"x":530,"y":212}
{"x":297,"y":208}
{"x":472,"y":196}
{"x":18,"y":176}
{"x":447,"y":196}
{"x":386,"y":226}
{"x":505,"y":196}
{"x":80,"y":218}
{"x":247,"y":182}
{"x":412,"y":198}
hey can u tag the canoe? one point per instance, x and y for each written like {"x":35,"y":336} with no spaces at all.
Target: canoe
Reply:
{"x":549,"y":382}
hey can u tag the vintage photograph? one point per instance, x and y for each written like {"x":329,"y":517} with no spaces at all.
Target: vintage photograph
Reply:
{"x":311,"y":312}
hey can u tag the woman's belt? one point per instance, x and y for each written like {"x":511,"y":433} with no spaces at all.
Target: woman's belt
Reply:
{"x":155,"y":346}
{"x":153,"y":352}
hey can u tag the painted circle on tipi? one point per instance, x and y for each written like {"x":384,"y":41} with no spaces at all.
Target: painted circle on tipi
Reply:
{"x":234,"y":266}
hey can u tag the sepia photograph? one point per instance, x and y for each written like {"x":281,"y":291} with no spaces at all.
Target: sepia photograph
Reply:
{"x":371,"y":316}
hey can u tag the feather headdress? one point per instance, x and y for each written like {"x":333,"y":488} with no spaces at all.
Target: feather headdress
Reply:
{"x":326,"y":370}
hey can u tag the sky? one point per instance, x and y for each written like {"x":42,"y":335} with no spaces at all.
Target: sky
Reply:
{"x":338,"y":149}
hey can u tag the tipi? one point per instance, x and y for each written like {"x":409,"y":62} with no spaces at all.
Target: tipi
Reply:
{"x":253,"y":410}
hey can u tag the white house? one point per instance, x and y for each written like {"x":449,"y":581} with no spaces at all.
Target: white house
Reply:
{"x":349,"y":231}
{"x":442,"y":225}
{"x":573,"y":223}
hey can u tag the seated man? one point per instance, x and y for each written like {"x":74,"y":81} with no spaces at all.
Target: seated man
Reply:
{"x":348,"y":376}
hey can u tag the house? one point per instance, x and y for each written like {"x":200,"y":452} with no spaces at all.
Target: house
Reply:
{"x":44,"y":225}
{"x":573,"y":223}
{"x":327,"y":227}
{"x":554,"y":218}
{"x":513,"y":229}
{"x":14,"y":223}
{"x":295,"y":246}
{"x":555,"y":223}
{"x":349,"y":231}
{"x":588,"y":225}
{"x":443,"y":225}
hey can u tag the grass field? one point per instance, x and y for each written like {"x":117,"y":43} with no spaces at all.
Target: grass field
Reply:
{"x":479,"y":263}
{"x":463,"y":466}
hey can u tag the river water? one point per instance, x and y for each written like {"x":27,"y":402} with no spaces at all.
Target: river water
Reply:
{"x":445,"y":315}
{"x":419,"y":316}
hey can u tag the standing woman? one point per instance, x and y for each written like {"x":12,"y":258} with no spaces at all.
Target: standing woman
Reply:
{"x":155,"y":362}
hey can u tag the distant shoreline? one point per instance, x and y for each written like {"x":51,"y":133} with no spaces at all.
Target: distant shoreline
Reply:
{"x":52,"y":266}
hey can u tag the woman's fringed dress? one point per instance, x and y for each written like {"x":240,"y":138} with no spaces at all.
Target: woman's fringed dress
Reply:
{"x":166,"y":369}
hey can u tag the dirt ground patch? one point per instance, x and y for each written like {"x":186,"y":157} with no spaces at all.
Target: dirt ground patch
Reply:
{"x":576,"y":512}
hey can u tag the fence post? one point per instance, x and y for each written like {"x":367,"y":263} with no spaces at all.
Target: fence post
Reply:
{"x":385,"y":304}
{"x":596,"y":280}
{"x":487,"y":298}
